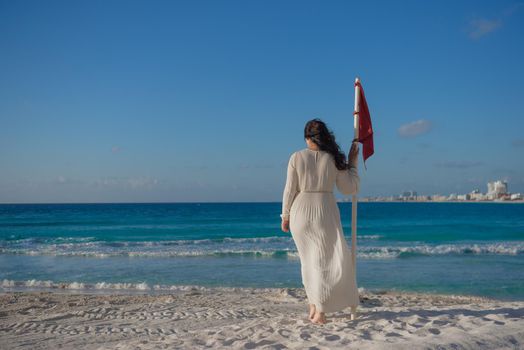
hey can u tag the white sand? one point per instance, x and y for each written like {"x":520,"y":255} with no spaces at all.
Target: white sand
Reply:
{"x":254,"y":318}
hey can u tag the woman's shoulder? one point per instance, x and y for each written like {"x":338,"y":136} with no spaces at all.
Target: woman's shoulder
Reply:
{"x":310,"y":151}
{"x":298,"y":155}
{"x":299,"y":152}
{"x":307,"y":154}
{"x":303,"y":153}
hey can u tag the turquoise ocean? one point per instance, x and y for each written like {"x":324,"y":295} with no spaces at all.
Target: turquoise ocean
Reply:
{"x":455,"y":248}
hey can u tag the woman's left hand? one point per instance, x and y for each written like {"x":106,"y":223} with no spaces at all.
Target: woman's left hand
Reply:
{"x":353,"y":154}
{"x":285,"y":225}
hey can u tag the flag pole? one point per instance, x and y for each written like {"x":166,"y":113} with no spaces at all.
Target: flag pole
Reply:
{"x":354,"y":197}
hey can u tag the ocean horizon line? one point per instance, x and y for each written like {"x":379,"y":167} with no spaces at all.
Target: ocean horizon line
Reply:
{"x":248,"y":202}
{"x":167,"y":202}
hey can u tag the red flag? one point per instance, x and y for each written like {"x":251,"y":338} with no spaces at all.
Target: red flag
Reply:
{"x":365,"y":129}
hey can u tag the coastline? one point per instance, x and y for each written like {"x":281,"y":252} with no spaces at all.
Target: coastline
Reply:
{"x":254,"y":318}
{"x":464,"y":201}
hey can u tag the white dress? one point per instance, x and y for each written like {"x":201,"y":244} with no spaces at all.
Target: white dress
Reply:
{"x":328,"y":274}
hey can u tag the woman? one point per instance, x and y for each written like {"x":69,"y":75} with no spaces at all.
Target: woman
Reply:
{"x":310,"y":211}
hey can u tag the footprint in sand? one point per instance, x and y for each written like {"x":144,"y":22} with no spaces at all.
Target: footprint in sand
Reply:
{"x":253,"y":345}
{"x":393,"y":334}
{"x":284,"y":333}
{"x":332,"y":337}
{"x":440,"y":322}
{"x":305,"y":336}
{"x":434,"y":331}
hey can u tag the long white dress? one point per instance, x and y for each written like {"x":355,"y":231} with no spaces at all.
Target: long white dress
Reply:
{"x":327,"y":270}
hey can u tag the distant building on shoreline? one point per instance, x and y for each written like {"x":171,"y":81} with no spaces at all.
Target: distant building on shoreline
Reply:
{"x":497,"y":192}
{"x":496,"y":189}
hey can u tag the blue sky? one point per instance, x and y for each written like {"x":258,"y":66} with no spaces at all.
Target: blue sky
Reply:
{"x":124,"y":101}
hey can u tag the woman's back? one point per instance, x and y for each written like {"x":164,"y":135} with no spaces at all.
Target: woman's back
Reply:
{"x":315,"y":171}
{"x":310,"y":212}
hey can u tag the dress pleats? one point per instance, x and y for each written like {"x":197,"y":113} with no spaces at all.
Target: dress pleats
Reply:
{"x":327,"y":270}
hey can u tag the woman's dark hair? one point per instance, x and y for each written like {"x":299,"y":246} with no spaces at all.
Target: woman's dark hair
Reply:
{"x":318,"y":132}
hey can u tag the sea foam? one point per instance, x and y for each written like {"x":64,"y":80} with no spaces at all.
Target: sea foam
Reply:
{"x":112,"y":287}
{"x":368,"y":247}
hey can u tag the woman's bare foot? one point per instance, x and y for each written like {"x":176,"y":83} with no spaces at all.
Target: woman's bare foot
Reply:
{"x":311,"y":311}
{"x":319,"y":318}
{"x":353,"y":313}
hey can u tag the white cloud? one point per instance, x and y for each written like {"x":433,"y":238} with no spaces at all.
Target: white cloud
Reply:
{"x":142,"y":182}
{"x":480,"y":27}
{"x":126,"y":182}
{"x":415,"y":128}
{"x":59,"y":180}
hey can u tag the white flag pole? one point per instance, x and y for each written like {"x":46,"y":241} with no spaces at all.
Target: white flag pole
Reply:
{"x":354,"y":197}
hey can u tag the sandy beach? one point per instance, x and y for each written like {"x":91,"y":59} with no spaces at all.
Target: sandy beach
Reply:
{"x":244,"y":318}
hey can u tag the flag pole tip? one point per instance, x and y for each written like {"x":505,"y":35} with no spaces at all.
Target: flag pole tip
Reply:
{"x":357,"y":79}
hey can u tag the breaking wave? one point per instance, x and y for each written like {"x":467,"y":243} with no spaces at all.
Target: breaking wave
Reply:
{"x":274,"y":247}
{"x":387,"y":252}
{"x":112,"y":287}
